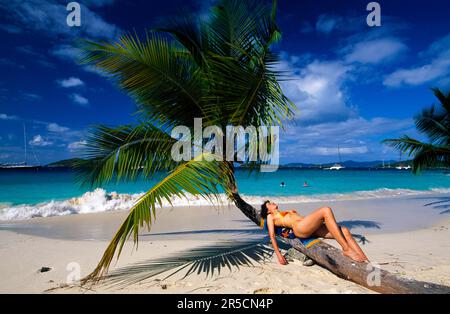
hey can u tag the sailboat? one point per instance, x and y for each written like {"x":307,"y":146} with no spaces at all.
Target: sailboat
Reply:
{"x":20,"y":165}
{"x":337,"y":166}
{"x":402,"y":166}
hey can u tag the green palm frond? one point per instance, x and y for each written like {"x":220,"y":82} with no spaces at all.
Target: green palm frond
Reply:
{"x":255,"y":98}
{"x":406,"y":145}
{"x":166,"y":86}
{"x":192,"y":33}
{"x":125,"y":152}
{"x":196,"y":177}
{"x":232,"y":29}
{"x":435,"y":121}
{"x":209,"y":260}
{"x":245,"y":59}
{"x":234,"y":46}
{"x":425,"y":155}
{"x":444,"y":99}
{"x":431,"y":157}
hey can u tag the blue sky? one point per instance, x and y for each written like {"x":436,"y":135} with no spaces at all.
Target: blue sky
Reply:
{"x":354,"y":85}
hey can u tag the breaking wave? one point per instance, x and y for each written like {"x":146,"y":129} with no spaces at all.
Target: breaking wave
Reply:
{"x":101,"y":201}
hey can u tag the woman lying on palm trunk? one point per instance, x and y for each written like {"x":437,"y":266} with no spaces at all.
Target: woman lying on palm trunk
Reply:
{"x":320,"y":223}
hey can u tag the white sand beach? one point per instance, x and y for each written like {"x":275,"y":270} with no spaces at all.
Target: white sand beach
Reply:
{"x":407,"y":235}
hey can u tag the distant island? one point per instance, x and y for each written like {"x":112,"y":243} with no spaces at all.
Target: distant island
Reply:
{"x":66,"y":163}
{"x":350,"y":164}
{"x":377,"y":164}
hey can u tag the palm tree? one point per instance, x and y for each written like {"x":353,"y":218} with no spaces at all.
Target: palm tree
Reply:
{"x":221,"y":70}
{"x":434,"y":122}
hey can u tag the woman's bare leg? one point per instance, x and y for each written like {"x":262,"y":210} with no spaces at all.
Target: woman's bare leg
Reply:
{"x":323,"y":232}
{"x":348,"y":236}
{"x":312,"y":222}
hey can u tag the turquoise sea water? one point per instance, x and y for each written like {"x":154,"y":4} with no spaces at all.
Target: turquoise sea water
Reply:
{"x":39,"y":186}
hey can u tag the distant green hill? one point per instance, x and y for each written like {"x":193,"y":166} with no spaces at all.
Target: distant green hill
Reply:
{"x":395,"y":164}
{"x":347,"y":164}
{"x":67,"y":163}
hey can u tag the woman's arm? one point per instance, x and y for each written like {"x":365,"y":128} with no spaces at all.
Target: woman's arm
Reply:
{"x":271,"y":228}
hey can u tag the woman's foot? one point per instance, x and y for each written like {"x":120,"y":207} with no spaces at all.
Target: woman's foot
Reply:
{"x":353,"y":255}
{"x":365,"y":259}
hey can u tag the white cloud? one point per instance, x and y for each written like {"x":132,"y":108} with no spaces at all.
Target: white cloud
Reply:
{"x":357,"y":137}
{"x":69,"y":53}
{"x":31,"y":96}
{"x":10,"y":63}
{"x":306,"y":28}
{"x":80,"y":100}
{"x":95,"y":70}
{"x":70,"y":82}
{"x":54,"y":127}
{"x":36,"y":55}
{"x":375,"y":51}
{"x":76,"y":146}
{"x":66,"y":52}
{"x":38,"y":140}
{"x":49,"y":17}
{"x":10,"y":28}
{"x":326,"y":23}
{"x":438,"y":47}
{"x":436,"y":68}
{"x":45,"y":63}
{"x":317,"y":90}
{"x":327,"y":117}
{"x":4,"y":116}
{"x":98,"y":3}
{"x":333,"y":151}
{"x":93,"y":25}
{"x":28,"y":50}
{"x":351,"y":129}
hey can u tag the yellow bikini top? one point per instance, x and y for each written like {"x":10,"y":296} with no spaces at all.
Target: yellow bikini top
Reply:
{"x":281,"y":215}
{"x":278,"y":215}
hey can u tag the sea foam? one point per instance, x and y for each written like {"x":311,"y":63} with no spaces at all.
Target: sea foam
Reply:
{"x":101,"y":201}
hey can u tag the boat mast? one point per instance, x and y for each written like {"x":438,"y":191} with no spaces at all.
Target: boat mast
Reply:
{"x":339,"y":154}
{"x":25,"y":143}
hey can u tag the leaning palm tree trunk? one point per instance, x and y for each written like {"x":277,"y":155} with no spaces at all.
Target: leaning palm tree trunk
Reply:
{"x":333,"y":260}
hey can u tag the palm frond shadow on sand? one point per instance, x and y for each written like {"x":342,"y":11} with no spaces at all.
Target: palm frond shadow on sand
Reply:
{"x":210,"y":260}
{"x":444,"y":204}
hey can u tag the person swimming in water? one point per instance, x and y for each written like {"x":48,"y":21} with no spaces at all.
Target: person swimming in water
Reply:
{"x":305,"y":185}
{"x":320,"y":223}
{"x":282,"y":184}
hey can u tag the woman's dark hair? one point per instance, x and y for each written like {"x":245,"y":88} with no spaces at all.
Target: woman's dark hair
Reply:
{"x":264,"y":210}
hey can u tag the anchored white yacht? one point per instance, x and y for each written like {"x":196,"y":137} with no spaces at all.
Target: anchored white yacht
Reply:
{"x":337,"y":166}
{"x":20,"y":165}
{"x":402,"y":166}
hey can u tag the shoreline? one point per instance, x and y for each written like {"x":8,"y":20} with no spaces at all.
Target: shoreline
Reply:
{"x":368,"y":216}
{"x":101,"y":201}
